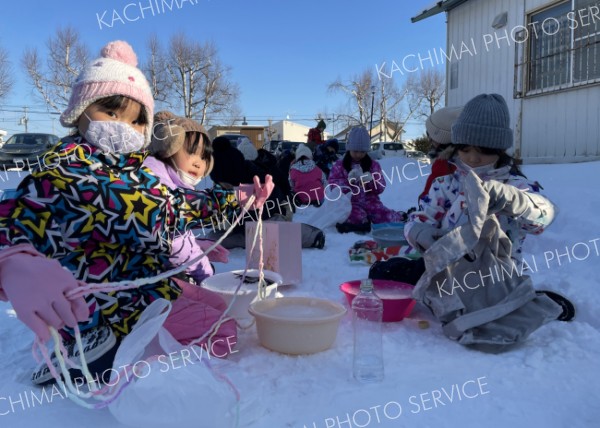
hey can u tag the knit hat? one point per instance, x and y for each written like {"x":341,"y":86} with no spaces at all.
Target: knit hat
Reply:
{"x":358,"y":140}
{"x":248,"y":150}
{"x":484,"y":122}
{"x":114,"y":73}
{"x":333,"y":142}
{"x":321,"y":124}
{"x":303,"y":150}
{"x":439,"y":124}
{"x":169,"y":132}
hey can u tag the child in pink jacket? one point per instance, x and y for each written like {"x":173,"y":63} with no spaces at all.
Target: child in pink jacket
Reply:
{"x":307,"y":180}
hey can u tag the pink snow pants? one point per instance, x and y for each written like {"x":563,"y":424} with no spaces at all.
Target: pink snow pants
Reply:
{"x":194,"y":312}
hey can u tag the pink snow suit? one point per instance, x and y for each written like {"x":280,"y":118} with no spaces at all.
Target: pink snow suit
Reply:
{"x":307,"y":182}
{"x":366,"y":205}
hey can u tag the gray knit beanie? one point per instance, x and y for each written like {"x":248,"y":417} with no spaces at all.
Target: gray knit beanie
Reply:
{"x":439,"y":124}
{"x":358,"y":140}
{"x":484,"y":122}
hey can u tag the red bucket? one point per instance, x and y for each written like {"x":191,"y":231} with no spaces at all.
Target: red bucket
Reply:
{"x":396,"y":296}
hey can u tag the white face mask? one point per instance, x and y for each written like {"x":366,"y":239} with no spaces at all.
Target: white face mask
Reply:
{"x":188,"y":179}
{"x":114,"y":136}
{"x":479,"y":170}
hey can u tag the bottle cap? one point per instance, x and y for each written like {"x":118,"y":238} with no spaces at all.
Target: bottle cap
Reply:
{"x":366,"y":285}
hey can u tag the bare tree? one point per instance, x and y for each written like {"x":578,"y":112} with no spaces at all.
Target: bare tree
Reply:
{"x":6,"y":78}
{"x":394,"y":106}
{"x":191,"y":76}
{"x":156,"y":72}
{"x":429,"y":85}
{"x":358,"y":89}
{"x":54,"y":75}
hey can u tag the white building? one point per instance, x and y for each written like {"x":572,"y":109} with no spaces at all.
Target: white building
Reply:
{"x":291,"y":131}
{"x":543,"y":56}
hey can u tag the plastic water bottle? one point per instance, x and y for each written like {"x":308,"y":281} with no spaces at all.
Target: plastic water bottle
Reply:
{"x":367,"y":312}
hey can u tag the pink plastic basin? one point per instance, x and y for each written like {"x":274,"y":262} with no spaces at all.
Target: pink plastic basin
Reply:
{"x":396,"y":296}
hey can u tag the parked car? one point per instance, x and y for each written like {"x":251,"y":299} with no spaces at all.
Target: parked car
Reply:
{"x":235,"y":139}
{"x":342,"y":148}
{"x":271,"y":146}
{"x":376,"y":151}
{"x":22,"y":150}
{"x":286,"y":145}
{"x":415,"y":154}
{"x":393,"y":149}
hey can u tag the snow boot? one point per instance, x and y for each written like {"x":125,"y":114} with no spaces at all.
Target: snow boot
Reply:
{"x":351,"y":227}
{"x":99,"y":347}
{"x":568,"y":309}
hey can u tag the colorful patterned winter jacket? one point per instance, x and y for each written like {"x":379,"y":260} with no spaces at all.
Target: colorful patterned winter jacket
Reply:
{"x":105,"y":218}
{"x":307,"y":182}
{"x":445,"y":207}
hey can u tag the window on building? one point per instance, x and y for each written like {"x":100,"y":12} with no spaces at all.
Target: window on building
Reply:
{"x":454,"y":75}
{"x":563,"y":47}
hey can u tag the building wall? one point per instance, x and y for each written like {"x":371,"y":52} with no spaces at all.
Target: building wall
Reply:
{"x":291,"y":131}
{"x":255,"y":133}
{"x":556,"y":127}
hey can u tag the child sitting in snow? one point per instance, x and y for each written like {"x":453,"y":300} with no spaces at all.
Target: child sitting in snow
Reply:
{"x":361,"y":175}
{"x":480,"y":137}
{"x":306,"y":179}
{"x":326,"y":155}
{"x":181,"y":157}
{"x":101,"y":216}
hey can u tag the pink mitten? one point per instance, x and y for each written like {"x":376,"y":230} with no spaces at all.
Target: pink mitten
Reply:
{"x":219,"y":254}
{"x":37,"y":286}
{"x":262,"y":192}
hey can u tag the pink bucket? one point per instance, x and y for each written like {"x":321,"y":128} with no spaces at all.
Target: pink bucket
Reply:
{"x":396,"y":296}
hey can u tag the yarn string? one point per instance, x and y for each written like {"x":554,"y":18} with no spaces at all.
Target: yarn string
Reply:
{"x":108,"y":393}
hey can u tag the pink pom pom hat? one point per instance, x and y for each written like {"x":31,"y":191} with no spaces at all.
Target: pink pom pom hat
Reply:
{"x":114,"y":73}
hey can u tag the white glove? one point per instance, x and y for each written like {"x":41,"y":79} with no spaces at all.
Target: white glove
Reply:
{"x":355,"y":174}
{"x":367,"y":177}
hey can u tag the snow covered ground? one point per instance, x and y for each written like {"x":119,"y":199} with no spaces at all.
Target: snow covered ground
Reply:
{"x":550,"y":381}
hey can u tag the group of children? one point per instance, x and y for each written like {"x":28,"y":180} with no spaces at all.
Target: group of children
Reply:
{"x":103,"y":215}
{"x":111,"y":213}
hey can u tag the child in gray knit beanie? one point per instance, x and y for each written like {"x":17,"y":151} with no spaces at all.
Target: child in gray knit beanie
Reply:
{"x":480,"y":137}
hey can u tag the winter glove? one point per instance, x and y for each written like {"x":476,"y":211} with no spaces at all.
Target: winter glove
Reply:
{"x":424,"y":236}
{"x":37,"y":287}
{"x":511,"y":201}
{"x":367,"y":177}
{"x":354,"y":174}
{"x":218,"y":254}
{"x":262,"y":192}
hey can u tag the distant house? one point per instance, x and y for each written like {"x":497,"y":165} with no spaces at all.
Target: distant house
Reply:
{"x":290,"y":131}
{"x":543,"y":56}
{"x":388,"y":131}
{"x":255,"y":133}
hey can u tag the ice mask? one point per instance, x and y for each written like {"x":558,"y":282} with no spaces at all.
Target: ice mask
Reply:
{"x":480,"y":170}
{"x":188,"y":179}
{"x":114,"y":136}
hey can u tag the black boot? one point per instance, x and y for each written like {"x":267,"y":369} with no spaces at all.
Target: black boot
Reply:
{"x":350,"y":227}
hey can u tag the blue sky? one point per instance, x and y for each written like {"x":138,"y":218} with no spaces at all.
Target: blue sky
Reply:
{"x":283,"y":54}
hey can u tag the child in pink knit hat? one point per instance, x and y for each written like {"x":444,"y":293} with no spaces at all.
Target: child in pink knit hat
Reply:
{"x":101,"y":216}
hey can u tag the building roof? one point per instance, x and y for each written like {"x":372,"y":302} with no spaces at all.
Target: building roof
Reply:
{"x":437,"y":7}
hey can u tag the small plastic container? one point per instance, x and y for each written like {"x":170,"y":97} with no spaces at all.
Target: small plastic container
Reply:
{"x":226,"y":283}
{"x":389,"y":236}
{"x":397,"y":297}
{"x":297,"y":325}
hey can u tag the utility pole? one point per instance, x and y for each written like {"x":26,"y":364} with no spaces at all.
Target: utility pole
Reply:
{"x":24,"y":119}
